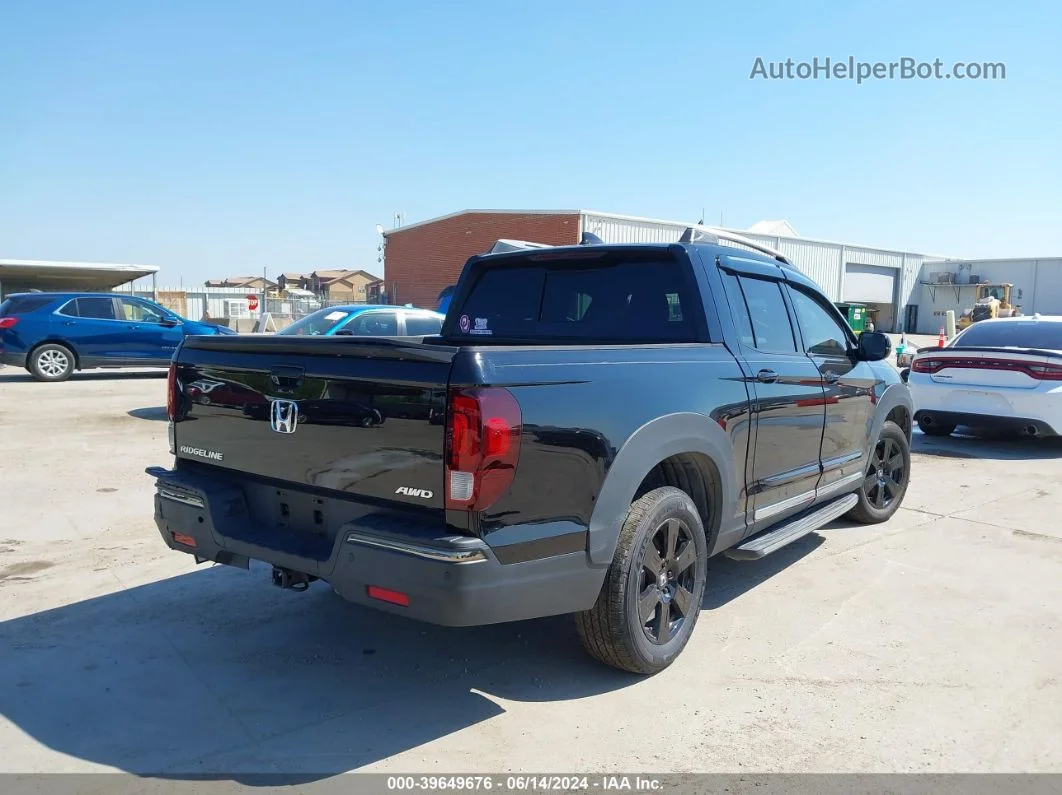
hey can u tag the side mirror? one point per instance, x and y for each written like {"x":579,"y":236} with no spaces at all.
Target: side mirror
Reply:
{"x":168,"y":321}
{"x":874,"y":346}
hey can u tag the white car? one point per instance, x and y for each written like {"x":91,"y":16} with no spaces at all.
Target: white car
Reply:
{"x":1003,"y":373}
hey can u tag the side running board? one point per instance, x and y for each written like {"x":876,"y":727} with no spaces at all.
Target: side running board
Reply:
{"x":775,"y":538}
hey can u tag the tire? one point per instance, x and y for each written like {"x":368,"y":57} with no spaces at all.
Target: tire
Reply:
{"x":51,"y":362}
{"x":936,"y":429}
{"x":612,"y":631}
{"x":886,"y":478}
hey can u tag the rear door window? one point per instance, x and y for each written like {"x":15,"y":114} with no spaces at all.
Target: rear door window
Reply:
{"x":605,"y":298}
{"x":768,"y":316}
{"x":96,"y":307}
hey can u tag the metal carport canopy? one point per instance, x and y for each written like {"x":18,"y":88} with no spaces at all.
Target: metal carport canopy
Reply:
{"x":23,"y":275}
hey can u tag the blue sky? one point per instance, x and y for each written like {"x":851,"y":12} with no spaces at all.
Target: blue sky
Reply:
{"x":217,"y":139}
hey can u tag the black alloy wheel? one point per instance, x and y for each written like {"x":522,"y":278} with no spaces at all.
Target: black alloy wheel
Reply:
{"x":649,"y":602}
{"x":886,"y":474}
{"x":668,"y":574}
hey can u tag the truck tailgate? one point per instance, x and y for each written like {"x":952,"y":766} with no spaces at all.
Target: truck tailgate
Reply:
{"x":363,"y":417}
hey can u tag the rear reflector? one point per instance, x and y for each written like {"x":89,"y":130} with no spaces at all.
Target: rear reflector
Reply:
{"x":184,"y":540}
{"x":385,"y":595}
{"x":8,"y":322}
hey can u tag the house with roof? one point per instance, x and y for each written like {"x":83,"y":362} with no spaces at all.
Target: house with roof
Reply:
{"x":293,"y":280}
{"x":254,"y":283}
{"x":344,"y":285}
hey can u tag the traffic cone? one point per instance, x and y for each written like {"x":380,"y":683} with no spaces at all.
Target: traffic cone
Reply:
{"x":940,"y":339}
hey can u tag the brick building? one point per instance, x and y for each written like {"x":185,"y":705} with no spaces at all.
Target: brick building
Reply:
{"x":421,"y":259}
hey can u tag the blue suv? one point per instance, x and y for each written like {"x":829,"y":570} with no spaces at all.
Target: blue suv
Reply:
{"x":54,"y":334}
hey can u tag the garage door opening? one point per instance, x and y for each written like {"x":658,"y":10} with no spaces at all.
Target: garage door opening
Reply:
{"x":875,"y":287}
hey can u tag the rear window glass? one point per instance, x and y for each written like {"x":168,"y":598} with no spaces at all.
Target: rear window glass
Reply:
{"x":22,"y":306}
{"x":1012,"y":334}
{"x":606,"y":300}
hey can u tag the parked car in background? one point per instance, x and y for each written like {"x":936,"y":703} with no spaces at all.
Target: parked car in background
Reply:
{"x":999,"y":373}
{"x":54,"y":334}
{"x":444,"y":298}
{"x":367,"y":320}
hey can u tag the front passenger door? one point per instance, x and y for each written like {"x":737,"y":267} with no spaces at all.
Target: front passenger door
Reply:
{"x":374,"y":323}
{"x":849,"y":385}
{"x":147,"y":338}
{"x":787,"y":400}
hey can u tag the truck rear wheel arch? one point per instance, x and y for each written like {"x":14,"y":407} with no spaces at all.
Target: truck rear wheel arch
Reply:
{"x":696,"y":475}
{"x":676,"y":447}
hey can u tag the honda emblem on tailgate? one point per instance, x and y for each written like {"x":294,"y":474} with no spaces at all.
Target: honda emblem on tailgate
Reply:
{"x":284,"y":416}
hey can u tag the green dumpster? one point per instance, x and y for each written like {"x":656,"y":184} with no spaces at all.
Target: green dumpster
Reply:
{"x":856,"y":314}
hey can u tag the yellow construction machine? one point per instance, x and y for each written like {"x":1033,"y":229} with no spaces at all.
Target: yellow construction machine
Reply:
{"x":993,"y":300}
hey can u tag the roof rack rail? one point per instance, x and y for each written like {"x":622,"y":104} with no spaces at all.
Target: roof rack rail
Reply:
{"x":711,"y":234}
{"x":504,"y":245}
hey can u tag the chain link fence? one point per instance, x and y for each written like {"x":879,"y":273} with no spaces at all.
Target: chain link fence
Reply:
{"x":240,"y":309}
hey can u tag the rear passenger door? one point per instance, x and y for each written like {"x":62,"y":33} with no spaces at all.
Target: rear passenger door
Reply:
{"x":786,"y":391}
{"x":90,"y":324}
{"x":420,"y":324}
{"x":849,"y":388}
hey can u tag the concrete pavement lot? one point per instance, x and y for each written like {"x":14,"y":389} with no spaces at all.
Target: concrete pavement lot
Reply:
{"x":931,"y":643}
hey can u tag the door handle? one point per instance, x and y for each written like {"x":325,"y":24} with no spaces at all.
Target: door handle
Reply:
{"x":766,"y":376}
{"x":831,"y":378}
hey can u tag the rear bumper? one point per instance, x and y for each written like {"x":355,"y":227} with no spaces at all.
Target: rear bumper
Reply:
{"x":13,"y":359}
{"x":451,"y":581}
{"x":987,"y":421}
{"x":1001,"y":408}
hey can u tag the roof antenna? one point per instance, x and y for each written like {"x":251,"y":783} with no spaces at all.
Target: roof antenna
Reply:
{"x":590,"y":239}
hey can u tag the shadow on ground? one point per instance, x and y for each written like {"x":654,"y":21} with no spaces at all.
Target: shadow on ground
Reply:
{"x":989,"y":445}
{"x":215,"y":674}
{"x":149,"y":413}
{"x":17,"y":375}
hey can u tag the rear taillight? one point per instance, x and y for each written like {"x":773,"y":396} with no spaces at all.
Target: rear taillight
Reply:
{"x":926,"y":365}
{"x":482,"y":446}
{"x":7,"y":322}
{"x":1046,"y":372}
{"x":1041,"y":372}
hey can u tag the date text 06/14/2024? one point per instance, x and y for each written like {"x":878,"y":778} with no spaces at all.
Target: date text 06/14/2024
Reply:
{"x":523,"y":783}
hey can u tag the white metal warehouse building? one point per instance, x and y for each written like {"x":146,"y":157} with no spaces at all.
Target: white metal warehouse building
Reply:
{"x":424,"y":257}
{"x":883,"y":279}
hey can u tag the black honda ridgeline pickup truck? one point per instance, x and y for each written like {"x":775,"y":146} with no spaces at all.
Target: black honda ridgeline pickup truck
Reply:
{"x":592,"y":424}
